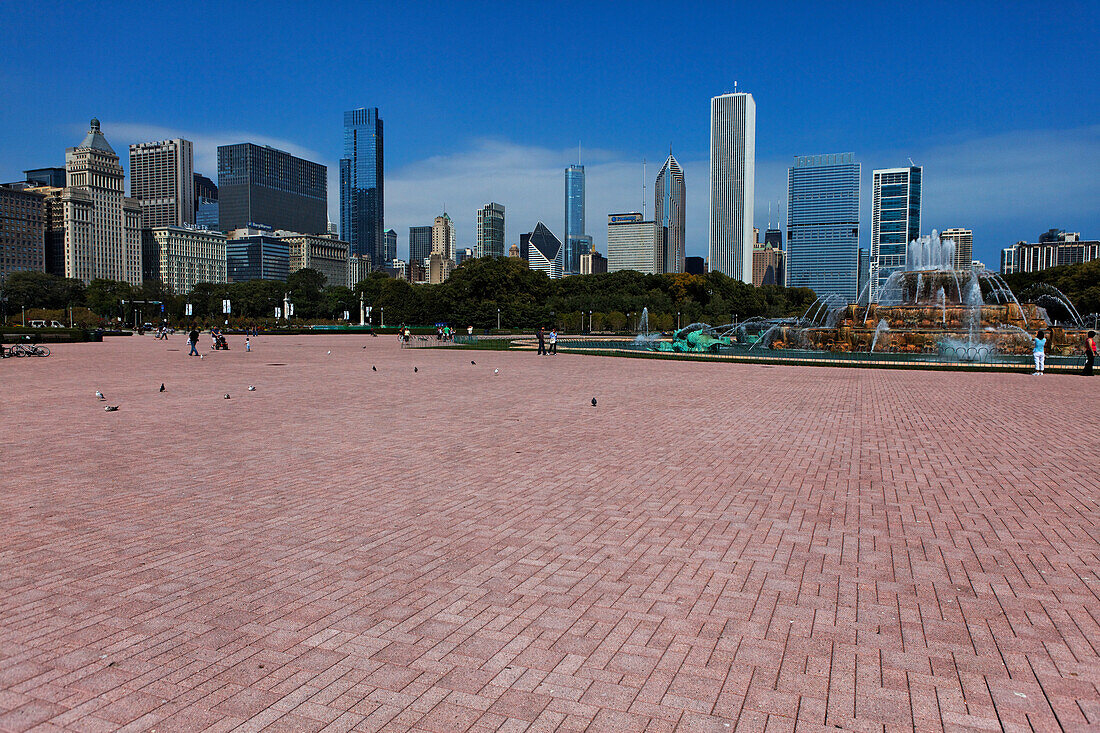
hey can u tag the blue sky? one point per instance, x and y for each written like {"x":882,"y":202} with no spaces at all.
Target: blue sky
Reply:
{"x":1000,"y":102}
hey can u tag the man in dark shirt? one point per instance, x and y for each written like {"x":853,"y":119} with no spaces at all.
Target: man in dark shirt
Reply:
{"x":193,"y":339}
{"x":542,"y":343}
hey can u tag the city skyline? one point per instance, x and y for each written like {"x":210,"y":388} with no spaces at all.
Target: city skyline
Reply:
{"x":486,"y":149}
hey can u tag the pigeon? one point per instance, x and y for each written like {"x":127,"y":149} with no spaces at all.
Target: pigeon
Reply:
{"x":99,"y":395}
{"x":496,"y":372}
{"x":251,"y":388}
{"x":110,"y":408}
{"x":593,"y":401}
{"x":364,"y":347}
{"x":328,"y":352}
{"x":374,"y":368}
{"x":473,"y":362}
{"x":227,"y":395}
{"x":162,"y":389}
{"x":202,"y":356}
{"x":415,"y":369}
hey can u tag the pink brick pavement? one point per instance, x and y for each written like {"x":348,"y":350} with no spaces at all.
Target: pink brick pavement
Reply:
{"x":714,"y":547}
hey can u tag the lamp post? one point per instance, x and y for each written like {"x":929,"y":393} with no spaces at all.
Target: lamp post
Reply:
{"x":498,"y":319}
{"x":589,"y":322}
{"x":677,"y":320}
{"x":381,"y":316}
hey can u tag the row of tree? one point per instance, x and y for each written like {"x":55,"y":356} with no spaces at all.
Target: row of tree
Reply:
{"x":477,"y":293}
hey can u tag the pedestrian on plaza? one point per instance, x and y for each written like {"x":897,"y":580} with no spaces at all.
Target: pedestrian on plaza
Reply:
{"x":1040,"y":351}
{"x":469,"y":330}
{"x":542,"y":342}
{"x":247,"y":344}
{"x":1090,"y":353}
{"x":193,"y":339}
{"x":553,"y":341}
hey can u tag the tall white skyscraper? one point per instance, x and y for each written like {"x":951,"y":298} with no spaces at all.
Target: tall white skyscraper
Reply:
{"x":162,"y":178}
{"x":732,"y":184}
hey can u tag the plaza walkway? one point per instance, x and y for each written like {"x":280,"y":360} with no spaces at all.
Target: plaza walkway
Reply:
{"x":712,"y":547}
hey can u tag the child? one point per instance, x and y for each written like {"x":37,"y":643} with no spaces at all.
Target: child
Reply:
{"x":1040,"y":351}
{"x":247,"y":344}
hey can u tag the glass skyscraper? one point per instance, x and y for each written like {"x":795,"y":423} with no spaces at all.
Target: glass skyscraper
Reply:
{"x":668,"y":211}
{"x":420,"y":244}
{"x":576,"y":243}
{"x":823,"y":225}
{"x":895,"y":220}
{"x":362,"y":200}
{"x":732,"y":184}
{"x":490,"y":230}
{"x":259,"y":185}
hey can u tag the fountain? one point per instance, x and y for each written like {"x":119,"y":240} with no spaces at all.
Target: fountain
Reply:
{"x":644,"y":336}
{"x":926,"y":308}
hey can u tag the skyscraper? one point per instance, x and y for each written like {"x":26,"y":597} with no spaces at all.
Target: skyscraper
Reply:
{"x":490,"y":231}
{"x":634,"y":244}
{"x":162,"y":179}
{"x":259,"y":185}
{"x":362,"y":199}
{"x":390,"y":238}
{"x":964,"y":246}
{"x":895,"y":220}
{"x":22,"y":231}
{"x":420,"y":244}
{"x":669,"y":206}
{"x":732,"y":184}
{"x":545,"y":252}
{"x":576,"y":243}
{"x":823,"y":225}
{"x":443,"y":237}
{"x":102,"y":226}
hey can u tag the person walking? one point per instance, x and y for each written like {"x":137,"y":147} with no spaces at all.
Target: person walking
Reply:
{"x":542,"y":342}
{"x":553,"y":341}
{"x":1040,"y":351}
{"x":1090,"y":354}
{"x":193,"y":339}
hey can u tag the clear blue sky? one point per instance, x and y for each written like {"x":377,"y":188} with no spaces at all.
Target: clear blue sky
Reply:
{"x":999,"y":101}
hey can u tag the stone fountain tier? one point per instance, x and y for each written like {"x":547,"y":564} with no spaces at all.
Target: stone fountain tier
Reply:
{"x":905,"y":340}
{"x":955,"y":317}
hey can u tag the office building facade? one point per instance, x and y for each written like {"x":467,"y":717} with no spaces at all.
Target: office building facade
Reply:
{"x":545,"y":252}
{"x":823,"y":225}
{"x":162,"y":180}
{"x":22,"y":231}
{"x":768,"y":265}
{"x":362,"y":185}
{"x":52,"y":177}
{"x":732,"y":184}
{"x":695,"y":265}
{"x":1053,"y":249}
{"x":669,"y":210}
{"x":574,"y":239}
{"x":420,"y":244}
{"x":490,"y":230}
{"x":253,"y":254}
{"x":358,"y":268}
{"x":895,"y":220}
{"x":593,"y":263}
{"x":180,"y":257}
{"x":389,"y":237}
{"x":262,"y":187}
{"x":964,"y":246}
{"x":102,"y":226}
{"x":442,"y":259}
{"x":634,"y":244}
{"x":324,"y":253}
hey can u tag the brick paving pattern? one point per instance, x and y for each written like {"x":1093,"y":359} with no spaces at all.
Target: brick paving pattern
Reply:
{"x":714,"y":547}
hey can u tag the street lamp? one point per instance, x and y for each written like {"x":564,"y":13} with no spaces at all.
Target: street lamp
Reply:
{"x":498,"y":319}
{"x":677,"y":320}
{"x":589,"y":321}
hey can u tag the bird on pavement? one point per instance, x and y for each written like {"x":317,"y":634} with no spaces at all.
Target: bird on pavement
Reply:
{"x":99,"y":395}
{"x":110,"y":408}
{"x":162,"y":389}
{"x":473,"y":362}
{"x":415,"y":369}
{"x":251,"y":388}
{"x":227,"y":395}
{"x":374,"y":368}
{"x":593,"y":401}
{"x":496,"y":372}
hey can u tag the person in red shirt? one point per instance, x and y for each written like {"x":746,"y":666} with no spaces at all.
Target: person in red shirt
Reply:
{"x":1090,"y":353}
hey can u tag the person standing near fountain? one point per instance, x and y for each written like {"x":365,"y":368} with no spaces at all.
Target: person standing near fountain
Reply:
{"x":553,"y":341}
{"x":542,"y":342}
{"x":1090,"y":353}
{"x":1040,"y":351}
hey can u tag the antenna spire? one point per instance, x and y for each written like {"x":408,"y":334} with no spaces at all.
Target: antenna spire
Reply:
{"x":643,"y":189}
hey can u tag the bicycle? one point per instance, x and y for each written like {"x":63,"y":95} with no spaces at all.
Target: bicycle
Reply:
{"x":29,"y":350}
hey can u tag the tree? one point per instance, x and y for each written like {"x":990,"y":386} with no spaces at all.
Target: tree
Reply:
{"x":40,"y":290}
{"x":105,"y":297}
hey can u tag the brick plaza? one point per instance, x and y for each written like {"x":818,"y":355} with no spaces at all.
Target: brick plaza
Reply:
{"x":713,"y":547}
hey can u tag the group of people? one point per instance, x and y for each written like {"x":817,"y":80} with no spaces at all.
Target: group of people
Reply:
{"x":217,"y":341}
{"x":543,"y":339}
{"x":1040,"y":352}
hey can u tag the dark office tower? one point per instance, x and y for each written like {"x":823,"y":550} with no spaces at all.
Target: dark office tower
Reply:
{"x":774,"y":237}
{"x":576,"y":243}
{"x":420,"y":244}
{"x":362,"y":200}
{"x":259,"y":185}
{"x":390,"y":238}
{"x":670,"y":204}
{"x":204,"y":189}
{"x":54,"y":177}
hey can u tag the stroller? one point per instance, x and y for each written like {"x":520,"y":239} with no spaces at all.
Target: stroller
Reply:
{"x":220,"y":343}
